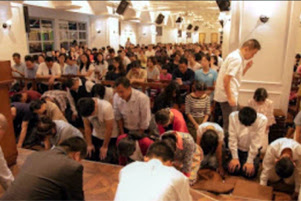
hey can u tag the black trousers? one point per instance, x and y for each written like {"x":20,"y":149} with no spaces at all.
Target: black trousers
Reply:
{"x":242,"y":156}
{"x":111,"y":154}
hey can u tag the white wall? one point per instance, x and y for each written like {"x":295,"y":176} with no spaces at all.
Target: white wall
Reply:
{"x":14,"y":39}
{"x":298,"y":44}
{"x":145,"y":33}
{"x":128,"y":30}
{"x":272,"y":67}
{"x":101,"y":39}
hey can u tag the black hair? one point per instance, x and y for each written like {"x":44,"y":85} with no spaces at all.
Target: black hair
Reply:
{"x":252,"y":44}
{"x":183,"y":61}
{"x":86,"y":106}
{"x":119,"y":61}
{"x":162,"y":116}
{"x":153,"y":60}
{"x":98,"y":90}
{"x":199,"y":56}
{"x":69,"y":58}
{"x":135,"y":64}
{"x":29,"y":58}
{"x":44,"y":127}
{"x":49,"y":59}
{"x":75,"y":144}
{"x":123,"y":81}
{"x":87,"y":65}
{"x":35,"y":58}
{"x":111,"y":50}
{"x":284,"y":167}
{"x":170,"y":139}
{"x":215,"y":59}
{"x":96,"y":58}
{"x":165,"y":67}
{"x":200,"y":86}
{"x":207,"y":57}
{"x":36,"y":104}
{"x":94,"y":49}
{"x":17,"y":55}
{"x":260,"y":94}
{"x":69,"y":82}
{"x":209,"y":141}
{"x":16,"y":98}
{"x":161,"y":150}
{"x":126,"y":146}
{"x":247,"y":116}
{"x":64,"y":55}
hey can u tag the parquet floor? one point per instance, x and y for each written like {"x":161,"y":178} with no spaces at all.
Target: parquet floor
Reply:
{"x":101,"y":180}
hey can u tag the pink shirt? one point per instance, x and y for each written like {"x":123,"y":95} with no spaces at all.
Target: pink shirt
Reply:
{"x":165,"y":77}
{"x":178,"y":123}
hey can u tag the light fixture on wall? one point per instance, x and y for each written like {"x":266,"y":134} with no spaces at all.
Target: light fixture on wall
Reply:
{"x":98,"y":31}
{"x":264,"y":18}
{"x":6,"y":25}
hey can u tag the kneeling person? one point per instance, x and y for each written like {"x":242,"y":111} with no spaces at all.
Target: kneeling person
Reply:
{"x":62,"y":180}
{"x":245,"y":130}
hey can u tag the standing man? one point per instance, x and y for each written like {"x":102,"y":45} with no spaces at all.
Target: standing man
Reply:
{"x":229,"y":78}
{"x":131,"y":107}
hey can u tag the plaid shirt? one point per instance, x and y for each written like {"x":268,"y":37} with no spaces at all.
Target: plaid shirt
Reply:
{"x":61,"y":98}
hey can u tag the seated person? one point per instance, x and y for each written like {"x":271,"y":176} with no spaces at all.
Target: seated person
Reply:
{"x":297,"y":122}
{"x":163,"y":181}
{"x":170,"y":119}
{"x":48,"y":108}
{"x":137,"y":74}
{"x":183,"y":75}
{"x":51,"y":175}
{"x":281,"y":163}
{"x":164,"y":75}
{"x":71,"y":68}
{"x":102,"y":139}
{"x":132,"y":147}
{"x":118,"y":70}
{"x":56,"y":131}
{"x":188,"y":155}
{"x":31,"y":67}
{"x":263,"y":105}
{"x":102,"y":92}
{"x":245,"y":130}
{"x":21,"y":115}
{"x":210,"y":136}
{"x":6,"y":176}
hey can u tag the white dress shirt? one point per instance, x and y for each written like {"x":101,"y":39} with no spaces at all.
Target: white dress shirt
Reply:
{"x":152,"y":181}
{"x":273,"y":153}
{"x":233,"y":66}
{"x":43,"y":70}
{"x":135,"y":113}
{"x":246,"y":138}
{"x":6,"y":177}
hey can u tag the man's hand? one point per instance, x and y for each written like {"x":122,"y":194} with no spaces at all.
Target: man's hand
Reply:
{"x":295,"y":196}
{"x":234,"y":163}
{"x":232,"y":102}
{"x":196,"y":126}
{"x":19,"y":145}
{"x":90,"y":148}
{"x":51,"y":80}
{"x":249,"y":169}
{"x":103,"y":152}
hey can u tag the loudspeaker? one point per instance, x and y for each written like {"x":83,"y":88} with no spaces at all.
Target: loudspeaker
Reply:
{"x":189,"y":26}
{"x":160,"y":18}
{"x":122,"y":6}
{"x":26,"y":19}
{"x":196,"y":28}
{"x":179,"y":20}
{"x":224,"y":5}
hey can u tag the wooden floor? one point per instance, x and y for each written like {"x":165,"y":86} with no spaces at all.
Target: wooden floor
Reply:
{"x":101,"y":180}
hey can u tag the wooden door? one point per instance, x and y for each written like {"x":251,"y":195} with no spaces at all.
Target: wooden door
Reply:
{"x":202,"y":37}
{"x":214,"y":38}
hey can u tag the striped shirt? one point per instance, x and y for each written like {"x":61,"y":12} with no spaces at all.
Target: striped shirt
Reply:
{"x":197,"y":107}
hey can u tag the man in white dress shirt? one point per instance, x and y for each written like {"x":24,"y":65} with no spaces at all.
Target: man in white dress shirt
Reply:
{"x":153,"y":180}
{"x":6,"y":177}
{"x":229,"y":78}
{"x":282,"y":163}
{"x":131,"y":107}
{"x":245,"y":130}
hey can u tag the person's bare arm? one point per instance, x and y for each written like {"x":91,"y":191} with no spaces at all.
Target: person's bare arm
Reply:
{"x":107,"y":138}
{"x":22,"y":137}
{"x":120,"y":125}
{"x":298,"y":134}
{"x":88,"y":137}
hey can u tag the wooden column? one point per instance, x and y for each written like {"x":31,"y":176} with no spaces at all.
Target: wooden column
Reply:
{"x":8,"y":143}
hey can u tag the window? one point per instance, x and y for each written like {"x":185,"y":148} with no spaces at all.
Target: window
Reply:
{"x":71,"y":32}
{"x":41,"y":36}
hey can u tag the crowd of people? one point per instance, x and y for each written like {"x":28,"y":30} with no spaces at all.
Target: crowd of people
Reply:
{"x":190,"y":128}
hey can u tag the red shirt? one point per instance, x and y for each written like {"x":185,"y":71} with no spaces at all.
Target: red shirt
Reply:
{"x":178,"y":123}
{"x":32,"y":95}
{"x":144,"y":144}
